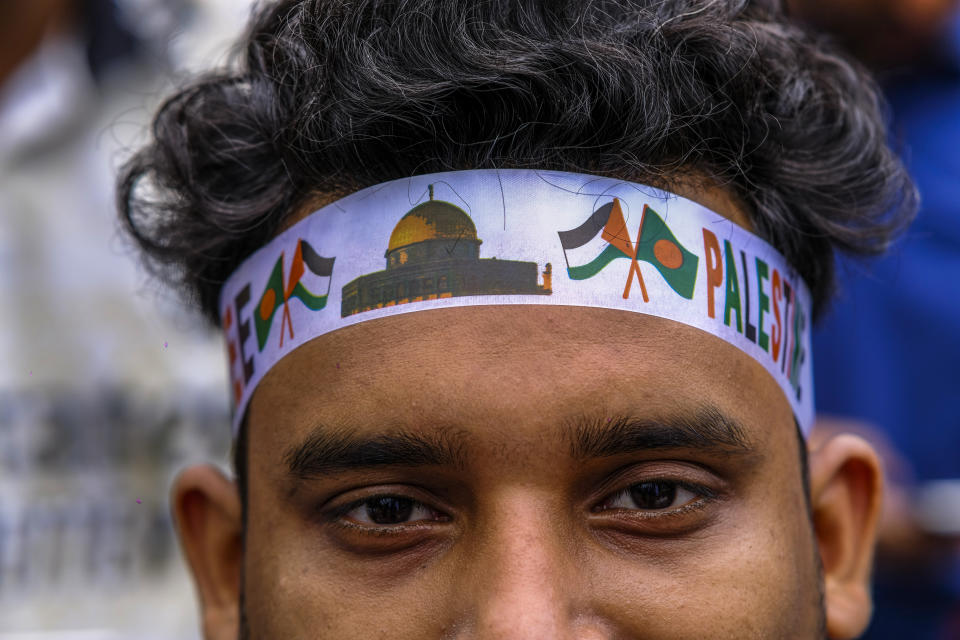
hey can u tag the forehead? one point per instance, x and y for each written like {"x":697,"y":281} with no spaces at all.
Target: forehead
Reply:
{"x":510,"y":373}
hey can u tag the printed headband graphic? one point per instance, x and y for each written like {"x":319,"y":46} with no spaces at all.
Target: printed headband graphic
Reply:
{"x":623,"y":246}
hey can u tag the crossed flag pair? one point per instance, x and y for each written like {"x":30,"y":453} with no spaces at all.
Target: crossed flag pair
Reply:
{"x":655,"y":244}
{"x":276,"y":294}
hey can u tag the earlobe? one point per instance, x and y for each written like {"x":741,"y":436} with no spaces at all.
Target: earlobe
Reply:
{"x":207,"y":511}
{"x":846,"y":487}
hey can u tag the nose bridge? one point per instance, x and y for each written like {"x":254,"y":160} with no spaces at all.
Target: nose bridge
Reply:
{"x":522,"y":578}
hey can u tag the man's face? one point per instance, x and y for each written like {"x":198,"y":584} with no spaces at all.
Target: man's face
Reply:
{"x":525,"y":472}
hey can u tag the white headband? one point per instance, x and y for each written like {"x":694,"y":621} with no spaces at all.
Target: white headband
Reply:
{"x":546,"y":237}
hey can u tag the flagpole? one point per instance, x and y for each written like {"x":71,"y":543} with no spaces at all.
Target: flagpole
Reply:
{"x":635,"y":267}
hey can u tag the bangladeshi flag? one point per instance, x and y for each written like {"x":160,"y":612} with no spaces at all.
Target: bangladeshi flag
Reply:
{"x":655,"y":244}
{"x":658,"y":246}
{"x":275,"y":294}
{"x":270,"y":301}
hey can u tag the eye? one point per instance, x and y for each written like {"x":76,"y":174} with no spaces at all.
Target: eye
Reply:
{"x":654,"y":495}
{"x":388,"y":510}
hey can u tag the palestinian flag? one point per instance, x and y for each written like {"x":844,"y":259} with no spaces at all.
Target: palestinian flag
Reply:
{"x":655,"y":244}
{"x":276,"y":294}
{"x":606,"y":222}
{"x":318,"y":266}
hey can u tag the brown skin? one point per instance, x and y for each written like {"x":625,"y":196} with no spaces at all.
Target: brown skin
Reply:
{"x":521,"y":535}
{"x":903,"y":546}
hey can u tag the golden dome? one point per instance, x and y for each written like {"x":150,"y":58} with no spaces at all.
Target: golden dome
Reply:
{"x":432,"y":220}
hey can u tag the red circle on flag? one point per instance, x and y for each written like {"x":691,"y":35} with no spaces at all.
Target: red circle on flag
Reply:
{"x":668,"y":254}
{"x":267,"y":303}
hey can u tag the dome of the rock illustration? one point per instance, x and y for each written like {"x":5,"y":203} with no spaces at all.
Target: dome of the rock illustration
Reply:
{"x":432,"y":220}
{"x":434,"y":253}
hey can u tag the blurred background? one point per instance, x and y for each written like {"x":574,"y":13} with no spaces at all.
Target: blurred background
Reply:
{"x":108,"y":386}
{"x":886,"y":356}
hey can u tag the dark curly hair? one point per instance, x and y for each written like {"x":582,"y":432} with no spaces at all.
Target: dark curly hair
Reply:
{"x":332,"y":96}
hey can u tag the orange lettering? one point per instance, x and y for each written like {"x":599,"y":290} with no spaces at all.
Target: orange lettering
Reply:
{"x":776,"y":331}
{"x":711,"y":250}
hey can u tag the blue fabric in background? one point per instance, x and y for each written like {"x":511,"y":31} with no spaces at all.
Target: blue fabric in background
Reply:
{"x":888,"y":352}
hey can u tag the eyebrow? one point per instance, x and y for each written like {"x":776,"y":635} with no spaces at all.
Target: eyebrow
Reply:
{"x":329,"y":450}
{"x":705,"y":428}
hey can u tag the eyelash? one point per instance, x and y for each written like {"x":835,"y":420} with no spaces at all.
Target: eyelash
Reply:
{"x":391,"y":530}
{"x":704,"y":496}
{"x":336,"y":516}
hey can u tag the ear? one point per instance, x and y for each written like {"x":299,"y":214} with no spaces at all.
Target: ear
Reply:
{"x":207,"y":512}
{"x":846,"y":487}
